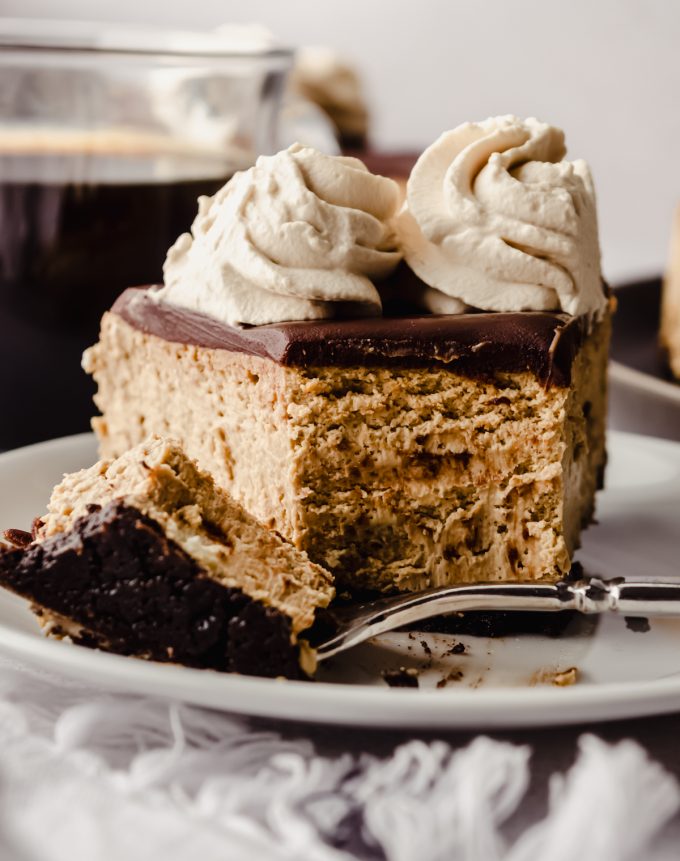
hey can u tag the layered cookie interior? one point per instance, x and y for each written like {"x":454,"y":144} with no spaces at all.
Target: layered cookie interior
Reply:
{"x":144,"y":555}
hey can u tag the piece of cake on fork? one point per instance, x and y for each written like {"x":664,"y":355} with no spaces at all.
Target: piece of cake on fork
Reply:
{"x":146,"y":556}
{"x":459,"y":435}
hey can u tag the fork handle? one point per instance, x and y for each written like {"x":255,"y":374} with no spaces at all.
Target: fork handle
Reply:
{"x":627,"y":598}
{"x":593,"y":595}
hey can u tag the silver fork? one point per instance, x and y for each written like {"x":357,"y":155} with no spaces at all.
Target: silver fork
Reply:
{"x":339,"y":629}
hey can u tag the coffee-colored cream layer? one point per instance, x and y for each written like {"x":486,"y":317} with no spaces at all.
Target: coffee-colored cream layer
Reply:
{"x":390,"y":476}
{"x":157,"y":479}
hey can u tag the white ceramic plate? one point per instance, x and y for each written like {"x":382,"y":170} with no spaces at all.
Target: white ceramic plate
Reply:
{"x":496,"y":683}
{"x":642,"y":396}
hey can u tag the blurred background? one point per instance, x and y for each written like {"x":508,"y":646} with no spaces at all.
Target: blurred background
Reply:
{"x":109,"y":137}
{"x":607,"y":72}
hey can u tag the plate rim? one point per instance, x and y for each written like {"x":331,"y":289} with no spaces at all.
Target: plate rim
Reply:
{"x":630,"y":377}
{"x":453,"y":708}
{"x":483,"y":707}
{"x":643,"y":382}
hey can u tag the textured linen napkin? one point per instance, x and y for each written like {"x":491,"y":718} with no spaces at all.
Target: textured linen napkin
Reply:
{"x":90,"y":776}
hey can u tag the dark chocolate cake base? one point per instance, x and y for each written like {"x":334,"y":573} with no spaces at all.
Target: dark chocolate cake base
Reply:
{"x":121,"y":585}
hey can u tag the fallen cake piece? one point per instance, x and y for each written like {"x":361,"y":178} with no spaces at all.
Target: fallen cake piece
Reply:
{"x":145,"y":556}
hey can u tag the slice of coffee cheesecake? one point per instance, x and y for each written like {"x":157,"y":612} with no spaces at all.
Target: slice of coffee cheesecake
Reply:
{"x":397,"y":453}
{"x":145,"y":556}
{"x":402,"y":451}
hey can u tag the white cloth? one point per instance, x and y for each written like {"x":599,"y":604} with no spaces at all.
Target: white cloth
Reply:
{"x":90,"y":776}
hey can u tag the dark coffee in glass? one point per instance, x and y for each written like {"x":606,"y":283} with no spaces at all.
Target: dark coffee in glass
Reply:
{"x":108,"y":135}
{"x":68,"y":247}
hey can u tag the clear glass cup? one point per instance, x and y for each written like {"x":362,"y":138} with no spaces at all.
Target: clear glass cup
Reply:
{"x":107,"y":138}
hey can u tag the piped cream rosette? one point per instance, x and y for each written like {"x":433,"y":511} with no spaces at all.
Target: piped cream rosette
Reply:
{"x":495,"y":219}
{"x":299,"y":236}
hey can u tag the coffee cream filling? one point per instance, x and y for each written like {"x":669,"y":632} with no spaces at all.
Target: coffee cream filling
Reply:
{"x":389,"y":477}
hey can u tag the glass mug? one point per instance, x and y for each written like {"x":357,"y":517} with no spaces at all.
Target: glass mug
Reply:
{"x":106,"y":141}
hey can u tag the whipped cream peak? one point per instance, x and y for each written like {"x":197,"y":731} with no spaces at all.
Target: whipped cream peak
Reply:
{"x":495,"y":219}
{"x":299,"y":236}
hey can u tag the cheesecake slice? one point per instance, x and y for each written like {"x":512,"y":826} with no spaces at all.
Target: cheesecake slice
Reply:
{"x":291,"y":352}
{"x":145,"y":556}
{"x":399,"y":453}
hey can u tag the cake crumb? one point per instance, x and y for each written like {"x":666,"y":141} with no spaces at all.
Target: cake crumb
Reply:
{"x":401,"y":678}
{"x":454,"y":676}
{"x":17,"y":538}
{"x":457,"y":649}
{"x":559,"y":678}
{"x":638,"y":624}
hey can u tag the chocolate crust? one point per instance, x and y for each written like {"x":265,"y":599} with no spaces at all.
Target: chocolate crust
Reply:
{"x":133,"y":591}
{"x":476,"y":345}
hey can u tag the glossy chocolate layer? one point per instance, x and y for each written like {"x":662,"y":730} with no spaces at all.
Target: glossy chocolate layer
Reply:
{"x":396,"y":164}
{"x":133,"y":591}
{"x":475,"y":345}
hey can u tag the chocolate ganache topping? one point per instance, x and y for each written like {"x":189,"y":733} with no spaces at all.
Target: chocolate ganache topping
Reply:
{"x":477,"y":345}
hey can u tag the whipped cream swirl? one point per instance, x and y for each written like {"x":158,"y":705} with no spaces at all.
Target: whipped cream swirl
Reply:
{"x":299,"y":236}
{"x":496,"y":220}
